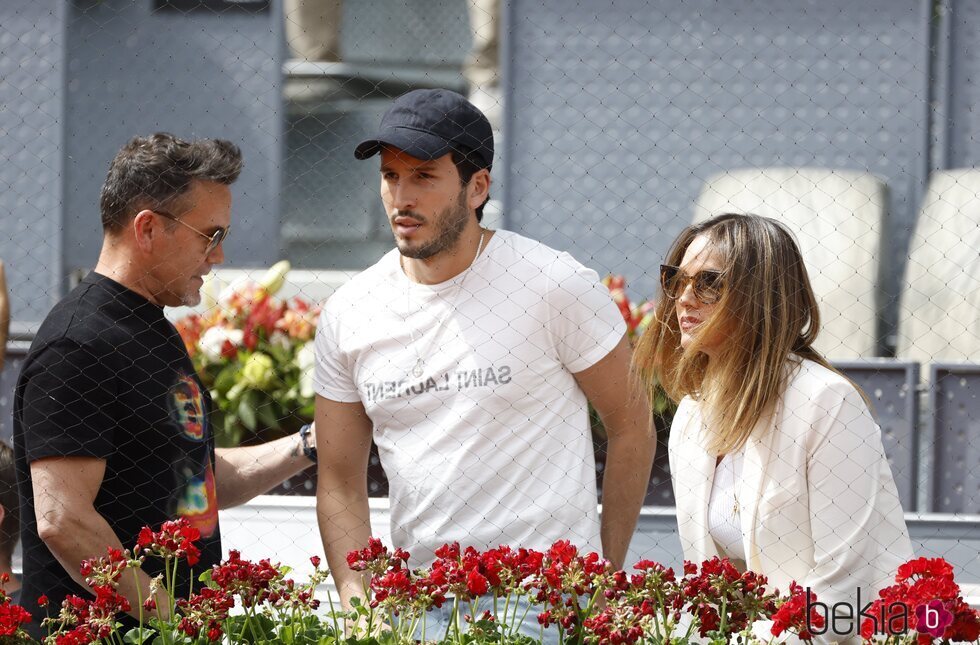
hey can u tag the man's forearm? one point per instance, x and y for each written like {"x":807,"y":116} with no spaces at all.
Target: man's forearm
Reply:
{"x":85,"y":535}
{"x":624,"y":484}
{"x":244,"y":472}
{"x":625,"y":413}
{"x":344,"y":518}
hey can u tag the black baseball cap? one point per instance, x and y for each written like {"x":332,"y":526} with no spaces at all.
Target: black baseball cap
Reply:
{"x":428,"y":124}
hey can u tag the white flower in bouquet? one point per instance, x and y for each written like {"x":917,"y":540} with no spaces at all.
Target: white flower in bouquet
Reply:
{"x":280,"y":339}
{"x":275,"y":277}
{"x":305,"y":360}
{"x":214,"y":339}
{"x":244,"y":291}
{"x":237,"y":286}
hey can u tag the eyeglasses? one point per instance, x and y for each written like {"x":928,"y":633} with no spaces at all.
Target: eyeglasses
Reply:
{"x":708,"y":285}
{"x":216,"y":238}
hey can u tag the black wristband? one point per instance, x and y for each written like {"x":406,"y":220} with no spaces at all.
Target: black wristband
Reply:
{"x":304,"y":438}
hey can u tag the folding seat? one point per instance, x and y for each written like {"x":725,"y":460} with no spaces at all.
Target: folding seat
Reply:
{"x":836,"y":216}
{"x":939,"y":313}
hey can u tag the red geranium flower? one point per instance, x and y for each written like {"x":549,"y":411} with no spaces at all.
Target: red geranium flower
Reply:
{"x":175,"y":539}
{"x":924,"y":567}
{"x":204,"y":611}
{"x":791,"y":615}
{"x":923,"y":582}
{"x":249,"y":580}
{"x":11,"y":618}
{"x":77,"y":636}
{"x":476,"y":583}
{"x":966,"y":623}
{"x":375,"y":557}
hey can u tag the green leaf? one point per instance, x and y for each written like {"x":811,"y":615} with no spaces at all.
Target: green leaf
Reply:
{"x":282,"y":355}
{"x":246,"y":410}
{"x":173,"y":637}
{"x":133,"y":636}
{"x":261,"y":630}
{"x":232,"y":432}
{"x":226,"y":378}
{"x":267,"y":414}
{"x":233,"y":624}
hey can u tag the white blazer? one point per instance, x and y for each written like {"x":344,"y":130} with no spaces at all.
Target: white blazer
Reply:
{"x":818,"y":502}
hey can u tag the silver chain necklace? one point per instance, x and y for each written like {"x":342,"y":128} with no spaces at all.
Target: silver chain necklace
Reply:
{"x":419,"y":369}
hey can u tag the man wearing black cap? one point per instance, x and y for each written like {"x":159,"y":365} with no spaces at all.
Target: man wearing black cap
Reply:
{"x":468,"y":355}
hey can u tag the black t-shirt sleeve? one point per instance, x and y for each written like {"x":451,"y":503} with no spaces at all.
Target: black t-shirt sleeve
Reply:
{"x":68,"y":404}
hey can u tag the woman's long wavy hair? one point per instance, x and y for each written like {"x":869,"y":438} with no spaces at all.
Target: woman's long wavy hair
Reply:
{"x":767,"y":313}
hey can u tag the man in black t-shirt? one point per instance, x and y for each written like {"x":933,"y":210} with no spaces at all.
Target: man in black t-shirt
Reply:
{"x":111,"y":426}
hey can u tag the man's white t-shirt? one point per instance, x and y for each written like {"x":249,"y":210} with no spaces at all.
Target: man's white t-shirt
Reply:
{"x":491,"y":444}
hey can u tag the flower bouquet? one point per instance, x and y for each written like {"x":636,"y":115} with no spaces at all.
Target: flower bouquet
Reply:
{"x":254,"y":353}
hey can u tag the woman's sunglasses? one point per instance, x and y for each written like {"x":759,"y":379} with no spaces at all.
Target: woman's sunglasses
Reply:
{"x":216,"y":238}
{"x":707,"y":284}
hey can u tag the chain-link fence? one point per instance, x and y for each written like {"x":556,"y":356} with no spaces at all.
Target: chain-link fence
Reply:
{"x":616,"y":126}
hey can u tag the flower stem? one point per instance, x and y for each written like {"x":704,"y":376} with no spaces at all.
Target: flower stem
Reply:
{"x":724,"y":616}
{"x":524,"y":617}
{"x":139,"y":600}
{"x":452,"y":619}
{"x":249,"y":614}
{"x":172,"y":587}
{"x":333,"y":616}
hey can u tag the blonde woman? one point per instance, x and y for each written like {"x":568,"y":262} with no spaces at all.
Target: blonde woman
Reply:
{"x":776,"y":460}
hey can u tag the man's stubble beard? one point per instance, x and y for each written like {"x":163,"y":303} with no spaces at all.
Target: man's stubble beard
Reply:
{"x":192,"y":299}
{"x":452,"y":223}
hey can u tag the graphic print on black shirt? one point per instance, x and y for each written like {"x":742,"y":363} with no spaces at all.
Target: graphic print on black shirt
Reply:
{"x":194,"y":495}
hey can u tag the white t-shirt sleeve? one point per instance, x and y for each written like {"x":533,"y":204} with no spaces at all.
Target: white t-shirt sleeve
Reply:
{"x":332,"y":379}
{"x":584,"y":322}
